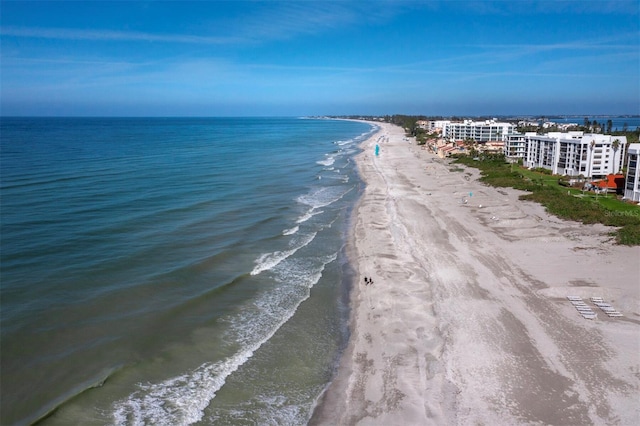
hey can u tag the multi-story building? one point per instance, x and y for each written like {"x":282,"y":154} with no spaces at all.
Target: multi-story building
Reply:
{"x":479,"y":131}
{"x":575,"y":153}
{"x":515,"y":145}
{"x":437,"y":124}
{"x":632,"y":182}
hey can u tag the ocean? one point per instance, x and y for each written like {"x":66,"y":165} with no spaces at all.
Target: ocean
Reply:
{"x":173,"y":271}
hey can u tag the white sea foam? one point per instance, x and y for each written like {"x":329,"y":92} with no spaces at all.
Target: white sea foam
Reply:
{"x":338,"y":177}
{"x":295,"y":278}
{"x":268,"y":261}
{"x":279,"y":411}
{"x":182,"y":400}
{"x":270,"y":409}
{"x":327,"y":161}
{"x":324,"y":196}
{"x":308,"y":215}
{"x":291,"y":231}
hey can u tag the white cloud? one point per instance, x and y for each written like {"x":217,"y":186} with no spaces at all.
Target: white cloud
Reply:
{"x":109,"y":35}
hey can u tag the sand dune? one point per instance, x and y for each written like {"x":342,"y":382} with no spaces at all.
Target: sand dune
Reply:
{"x":467,"y":320}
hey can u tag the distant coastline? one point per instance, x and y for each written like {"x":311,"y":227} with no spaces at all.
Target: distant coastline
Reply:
{"x":619,"y":123}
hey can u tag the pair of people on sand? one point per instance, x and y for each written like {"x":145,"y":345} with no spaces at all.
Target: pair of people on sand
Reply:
{"x":368,"y":281}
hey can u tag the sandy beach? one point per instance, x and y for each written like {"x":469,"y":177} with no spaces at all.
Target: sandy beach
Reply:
{"x":467,"y":321}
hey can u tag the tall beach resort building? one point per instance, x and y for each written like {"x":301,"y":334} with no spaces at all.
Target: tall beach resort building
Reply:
{"x":574,"y":153}
{"x":632,"y":182}
{"x":515,"y":145}
{"x":480,"y":131}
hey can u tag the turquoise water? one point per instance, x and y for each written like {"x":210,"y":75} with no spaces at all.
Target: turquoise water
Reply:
{"x":173,"y":271}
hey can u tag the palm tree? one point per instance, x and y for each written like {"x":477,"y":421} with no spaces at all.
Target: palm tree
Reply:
{"x":615,"y":144}
{"x":592,"y":145}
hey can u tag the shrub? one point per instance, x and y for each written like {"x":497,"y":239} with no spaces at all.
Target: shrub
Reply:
{"x":629,"y":235}
{"x":543,"y":170}
{"x":496,"y":172}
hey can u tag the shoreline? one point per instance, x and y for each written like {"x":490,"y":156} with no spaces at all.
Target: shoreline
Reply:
{"x":467,"y":319}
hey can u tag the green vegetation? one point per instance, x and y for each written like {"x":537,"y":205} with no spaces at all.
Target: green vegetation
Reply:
{"x":566,"y":203}
{"x":410,"y":124}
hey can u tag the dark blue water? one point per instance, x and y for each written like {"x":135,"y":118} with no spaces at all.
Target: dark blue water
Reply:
{"x":172,"y":271}
{"x":617,"y":123}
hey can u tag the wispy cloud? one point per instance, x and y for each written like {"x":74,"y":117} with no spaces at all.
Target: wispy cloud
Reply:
{"x":262,"y":23}
{"x":287,"y":20}
{"x":110,"y":35}
{"x":549,"y":7}
{"x":556,"y":47}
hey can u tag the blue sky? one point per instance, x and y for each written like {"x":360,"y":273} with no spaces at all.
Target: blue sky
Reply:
{"x":268,"y":58}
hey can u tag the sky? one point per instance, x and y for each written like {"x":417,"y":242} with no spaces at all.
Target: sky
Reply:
{"x":293,"y":58}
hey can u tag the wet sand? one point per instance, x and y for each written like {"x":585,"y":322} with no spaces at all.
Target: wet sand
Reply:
{"x":467,"y":320}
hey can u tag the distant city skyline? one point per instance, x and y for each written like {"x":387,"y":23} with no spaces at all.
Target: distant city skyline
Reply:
{"x":464,"y":58}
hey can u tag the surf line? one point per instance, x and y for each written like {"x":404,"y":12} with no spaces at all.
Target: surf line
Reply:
{"x":268,"y":261}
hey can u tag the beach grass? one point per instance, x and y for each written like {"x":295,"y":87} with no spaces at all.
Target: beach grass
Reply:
{"x":563,"y":202}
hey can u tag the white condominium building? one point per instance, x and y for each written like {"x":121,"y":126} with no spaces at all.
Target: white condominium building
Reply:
{"x":515,"y":145}
{"x":574,"y":153}
{"x":480,"y":131}
{"x":437,"y":124}
{"x":632,"y":186}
